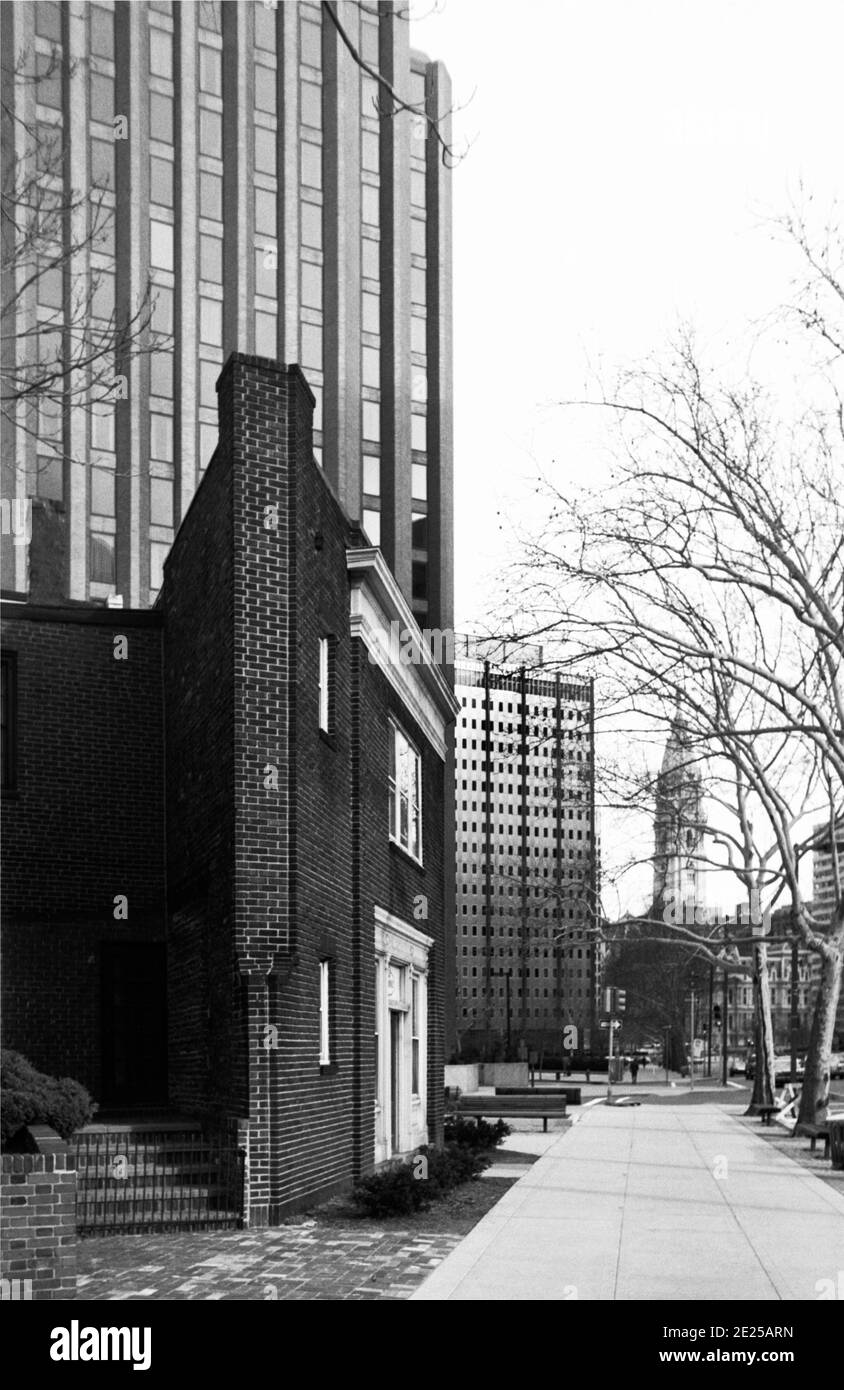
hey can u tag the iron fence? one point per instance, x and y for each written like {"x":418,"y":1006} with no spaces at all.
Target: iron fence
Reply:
{"x":158,"y":1181}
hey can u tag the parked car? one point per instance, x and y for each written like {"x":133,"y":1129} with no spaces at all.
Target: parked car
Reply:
{"x":782,"y":1068}
{"x":836,"y":1066}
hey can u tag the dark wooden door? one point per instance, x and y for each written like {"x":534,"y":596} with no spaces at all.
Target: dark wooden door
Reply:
{"x":134,"y":1023}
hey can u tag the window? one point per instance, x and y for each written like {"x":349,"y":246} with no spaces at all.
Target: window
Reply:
{"x":326,"y":683}
{"x":312,"y":105}
{"x":311,"y":165}
{"x":102,"y":492}
{"x":371,"y":474}
{"x":372,"y":525}
{"x":311,"y":285}
{"x":8,"y":712}
{"x":311,"y":226}
{"x":161,"y":245}
{"x":265,"y":86}
{"x":158,"y":553}
{"x":210,"y":70}
{"x":161,"y":181}
{"x":210,"y":196}
{"x":405,"y":793}
{"x":161,"y":117}
{"x":372,"y":421}
{"x":211,"y":259}
{"x":160,"y":502}
{"x":419,"y":481}
{"x":210,"y":321}
{"x":160,"y":53}
{"x":325,"y":1013}
{"x":102,"y":559}
{"x":265,"y":210}
{"x":265,"y":150}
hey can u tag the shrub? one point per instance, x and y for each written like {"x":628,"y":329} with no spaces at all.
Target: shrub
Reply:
{"x":30,"y":1097}
{"x":403,"y":1188}
{"x":475,"y":1134}
{"x":394,"y":1191}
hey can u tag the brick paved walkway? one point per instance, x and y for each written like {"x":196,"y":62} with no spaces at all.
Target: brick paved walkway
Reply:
{"x":299,"y":1261}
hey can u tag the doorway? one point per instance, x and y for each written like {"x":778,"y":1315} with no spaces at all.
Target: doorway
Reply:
{"x":134,"y":1023}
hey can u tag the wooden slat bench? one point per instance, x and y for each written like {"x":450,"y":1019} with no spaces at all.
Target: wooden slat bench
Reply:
{"x":571,"y":1094}
{"x":767,"y":1112}
{"x":537,"y":1106}
{"x":814,"y":1133}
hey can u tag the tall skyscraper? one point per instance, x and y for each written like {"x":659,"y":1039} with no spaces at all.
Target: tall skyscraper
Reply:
{"x":824,"y":901}
{"x":526,"y":870}
{"x":246,"y":167}
{"x":678,"y":826}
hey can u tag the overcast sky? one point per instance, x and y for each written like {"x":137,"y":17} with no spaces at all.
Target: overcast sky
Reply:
{"x":627,"y":154}
{"x":628,"y":157}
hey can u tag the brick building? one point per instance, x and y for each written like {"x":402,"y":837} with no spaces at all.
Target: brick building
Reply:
{"x":224,"y":828}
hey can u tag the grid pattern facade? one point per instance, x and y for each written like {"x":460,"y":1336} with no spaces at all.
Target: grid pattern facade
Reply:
{"x":255,"y":192}
{"x":526,"y":874}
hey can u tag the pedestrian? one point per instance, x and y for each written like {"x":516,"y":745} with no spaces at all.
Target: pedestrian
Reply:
{"x":634,"y":1070}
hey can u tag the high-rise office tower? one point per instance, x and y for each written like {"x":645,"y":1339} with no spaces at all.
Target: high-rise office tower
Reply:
{"x":678,"y":884}
{"x":243,"y":165}
{"x":526,"y":870}
{"x":826,"y":868}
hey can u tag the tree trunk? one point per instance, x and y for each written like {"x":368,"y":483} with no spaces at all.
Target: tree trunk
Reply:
{"x":814,"y":1097}
{"x":764,"y":1078}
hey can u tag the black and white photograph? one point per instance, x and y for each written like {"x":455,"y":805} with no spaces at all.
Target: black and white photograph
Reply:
{"x":422,"y":448}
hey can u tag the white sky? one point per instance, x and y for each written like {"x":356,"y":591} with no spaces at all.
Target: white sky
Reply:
{"x":628,"y":156}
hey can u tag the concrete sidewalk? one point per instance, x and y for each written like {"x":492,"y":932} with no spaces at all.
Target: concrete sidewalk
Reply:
{"x":652,"y":1203}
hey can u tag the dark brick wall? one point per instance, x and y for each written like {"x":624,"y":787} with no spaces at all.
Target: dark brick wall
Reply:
{"x":206,"y":1063}
{"x":84,"y":824}
{"x":277,"y":847}
{"x":39,"y":1225}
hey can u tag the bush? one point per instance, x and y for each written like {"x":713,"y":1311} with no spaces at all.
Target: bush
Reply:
{"x":30,"y":1097}
{"x":397,"y":1190}
{"x":475,"y":1134}
{"x":403,"y":1188}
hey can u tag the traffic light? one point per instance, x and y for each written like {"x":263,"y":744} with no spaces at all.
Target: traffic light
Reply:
{"x":716,"y":1015}
{"x":615,"y":1001}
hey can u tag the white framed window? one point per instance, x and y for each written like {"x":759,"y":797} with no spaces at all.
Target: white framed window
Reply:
{"x":325,"y":1013}
{"x":324,"y":685}
{"x":405,"y":793}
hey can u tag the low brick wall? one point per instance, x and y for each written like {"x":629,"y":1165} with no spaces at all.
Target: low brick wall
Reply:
{"x":39,"y":1222}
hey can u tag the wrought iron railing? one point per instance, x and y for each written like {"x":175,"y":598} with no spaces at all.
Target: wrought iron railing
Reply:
{"x":158,"y":1180}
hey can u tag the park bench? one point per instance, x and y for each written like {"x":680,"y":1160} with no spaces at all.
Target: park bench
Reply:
{"x":814,"y":1133}
{"x":539,"y":1106}
{"x":767,"y":1112}
{"x":571,"y":1094}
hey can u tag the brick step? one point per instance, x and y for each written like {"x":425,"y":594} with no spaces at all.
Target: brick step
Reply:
{"x":103,"y":1200}
{"x":161,"y":1171}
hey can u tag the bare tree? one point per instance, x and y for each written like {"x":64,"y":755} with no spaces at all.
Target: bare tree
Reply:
{"x":64,"y":343}
{"x":708,"y":575}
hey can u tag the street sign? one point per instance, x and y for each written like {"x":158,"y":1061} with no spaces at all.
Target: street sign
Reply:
{"x":616,"y":1023}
